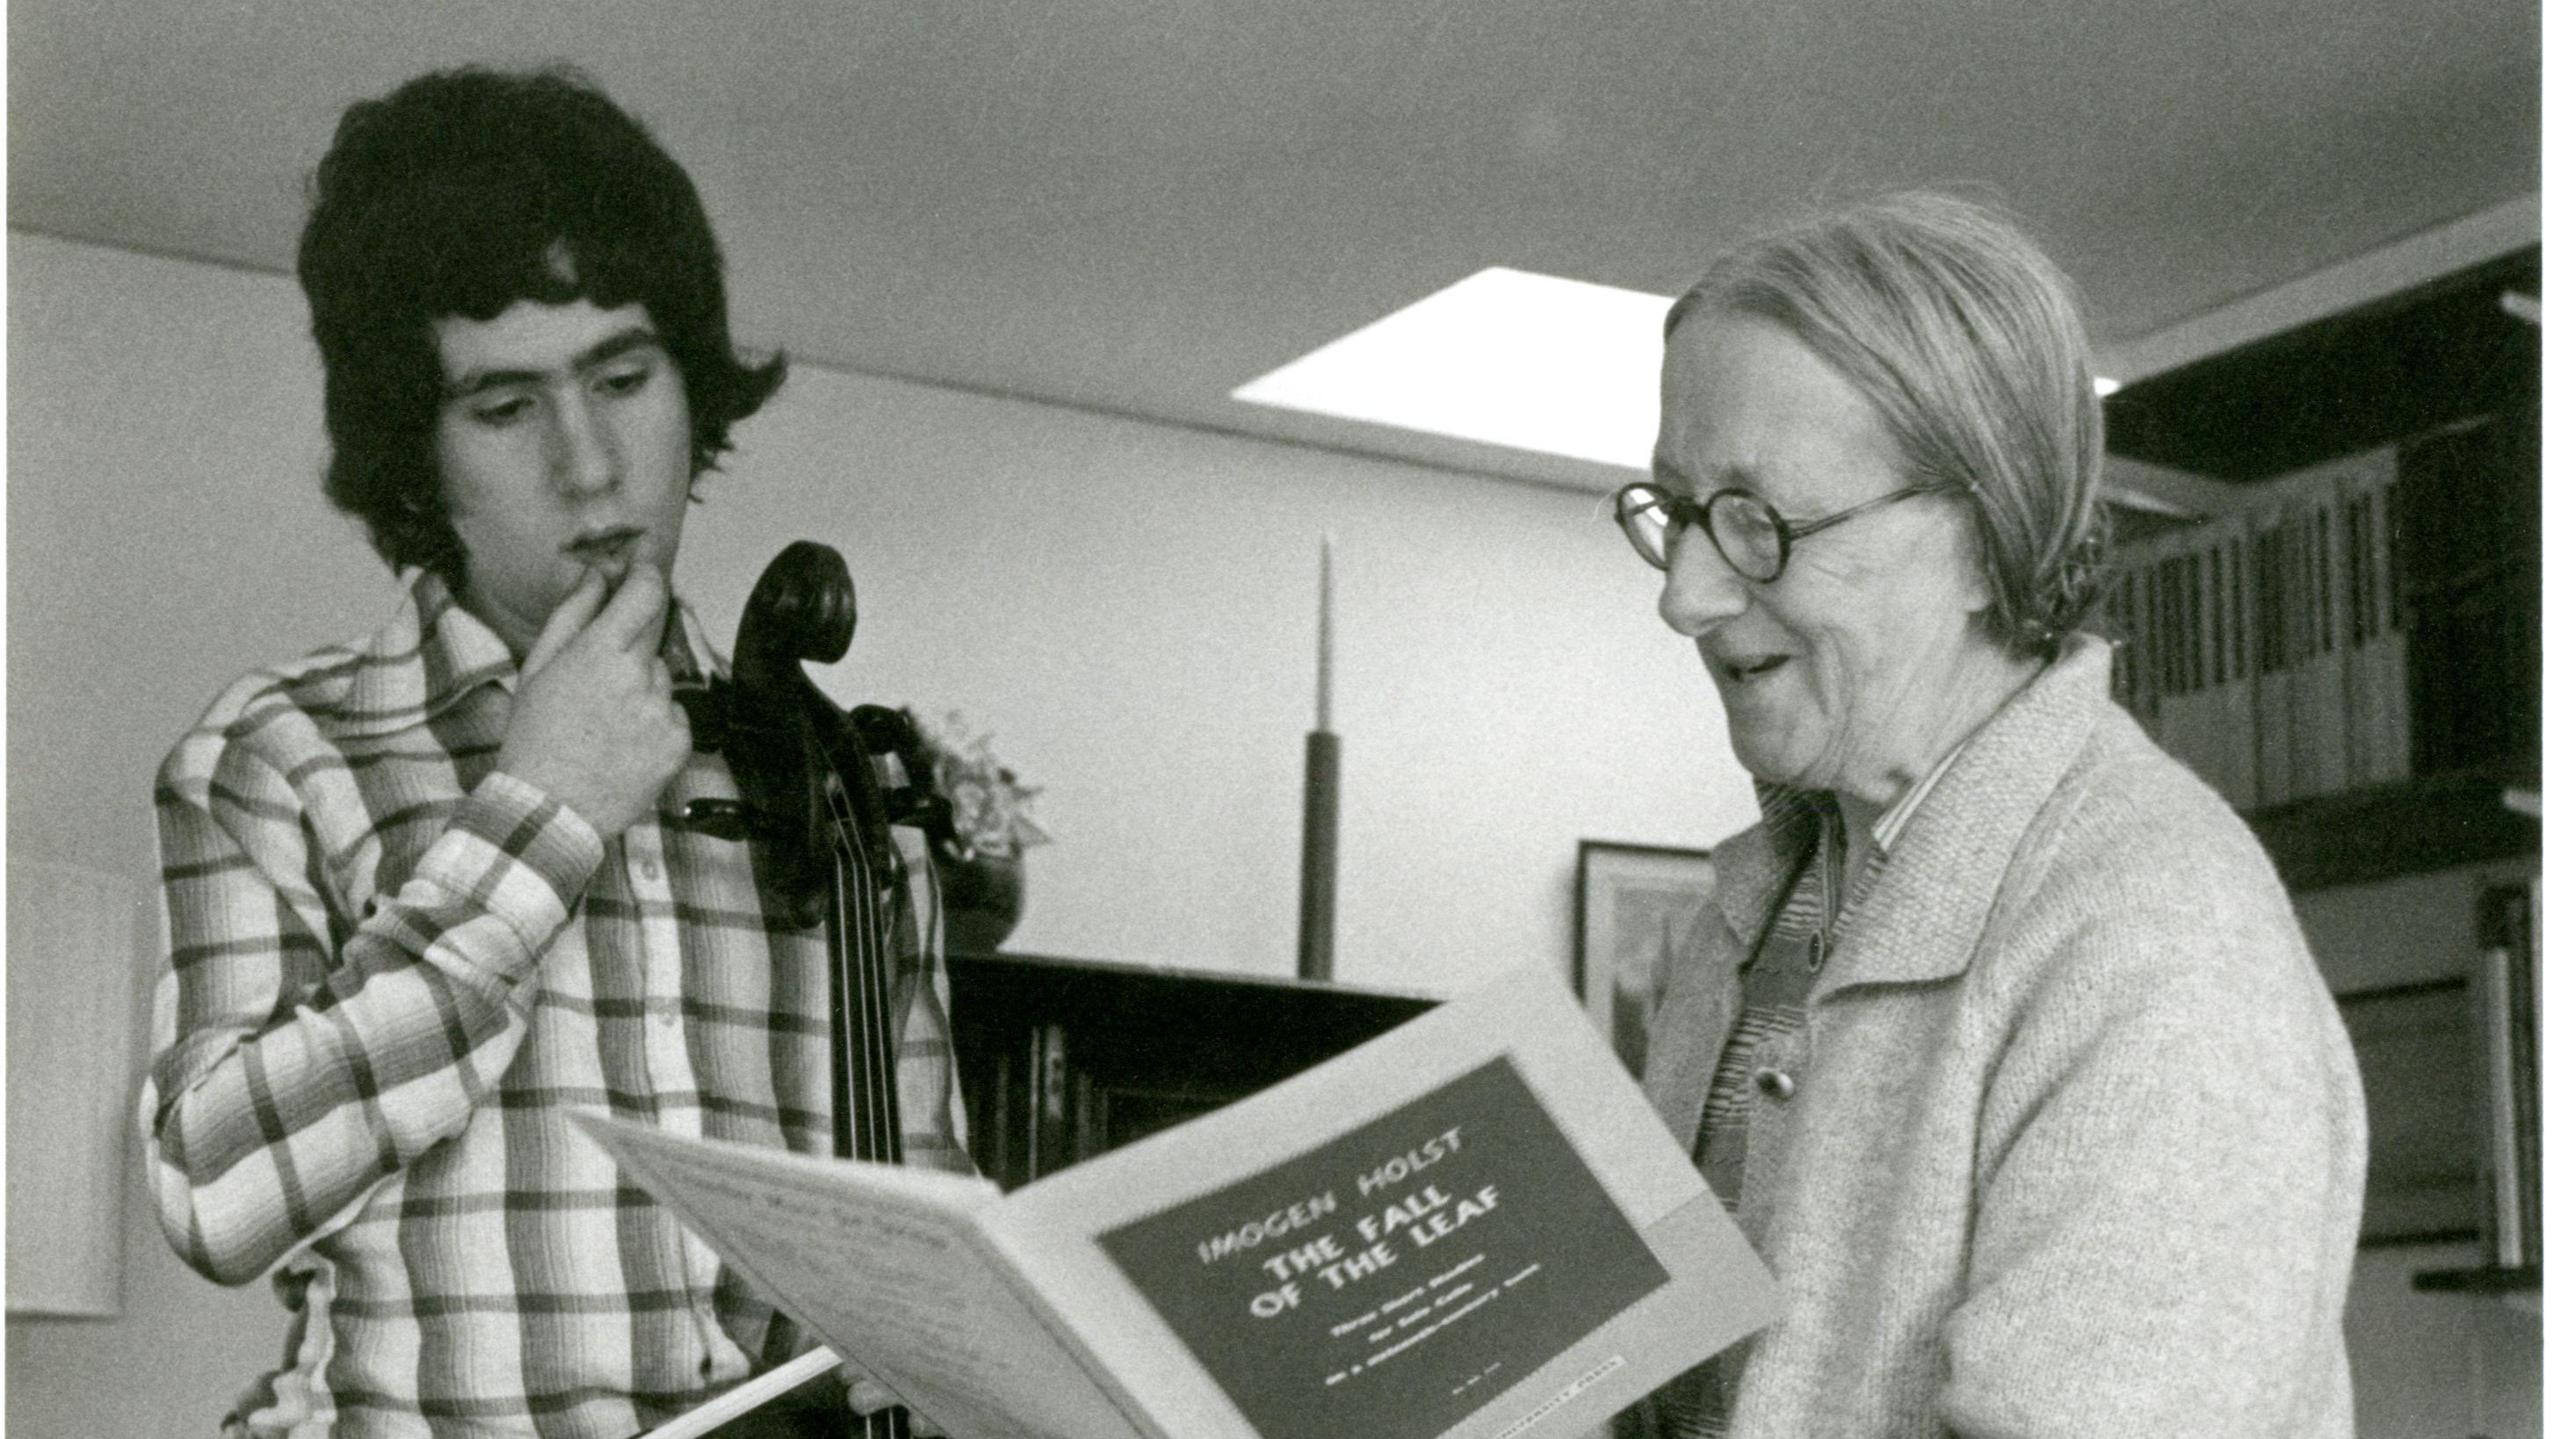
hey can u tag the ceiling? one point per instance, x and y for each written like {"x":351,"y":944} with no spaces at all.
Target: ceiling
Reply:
{"x":1137,"y":205}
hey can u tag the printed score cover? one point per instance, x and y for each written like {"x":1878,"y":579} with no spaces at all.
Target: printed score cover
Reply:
{"x":1375,"y":1284}
{"x":1471,"y":1227}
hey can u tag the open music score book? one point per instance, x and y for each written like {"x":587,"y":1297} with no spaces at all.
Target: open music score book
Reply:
{"x":1470,"y":1227}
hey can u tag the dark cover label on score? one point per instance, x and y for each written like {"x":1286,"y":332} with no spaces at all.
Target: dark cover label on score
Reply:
{"x":1391,"y":1281}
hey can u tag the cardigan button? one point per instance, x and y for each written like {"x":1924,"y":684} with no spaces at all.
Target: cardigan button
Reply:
{"x":1775,"y":1083}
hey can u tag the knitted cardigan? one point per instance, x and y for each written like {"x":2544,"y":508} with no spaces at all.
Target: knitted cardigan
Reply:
{"x":2076,"y":1145}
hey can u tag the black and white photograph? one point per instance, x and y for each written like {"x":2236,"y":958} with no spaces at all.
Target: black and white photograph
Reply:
{"x":985,"y":625}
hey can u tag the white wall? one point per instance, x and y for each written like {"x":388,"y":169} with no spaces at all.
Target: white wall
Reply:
{"x":1129,"y":608}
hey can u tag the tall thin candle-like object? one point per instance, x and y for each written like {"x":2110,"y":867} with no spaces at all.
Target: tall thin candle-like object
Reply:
{"x":1324,"y":796}
{"x":1324,"y":634}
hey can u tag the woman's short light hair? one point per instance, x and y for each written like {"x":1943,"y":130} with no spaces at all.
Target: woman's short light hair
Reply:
{"x":1969,"y":343}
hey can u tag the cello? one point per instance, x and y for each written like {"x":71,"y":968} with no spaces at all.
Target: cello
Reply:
{"x":817,"y":815}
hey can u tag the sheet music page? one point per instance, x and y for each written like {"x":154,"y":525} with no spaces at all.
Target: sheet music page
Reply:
{"x":884,"y":1263}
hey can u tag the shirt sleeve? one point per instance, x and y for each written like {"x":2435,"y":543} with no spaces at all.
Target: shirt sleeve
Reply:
{"x":934,"y":1122}
{"x":294,"y":1068}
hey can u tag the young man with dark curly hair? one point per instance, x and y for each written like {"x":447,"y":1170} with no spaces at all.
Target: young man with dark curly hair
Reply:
{"x":424,"y":899}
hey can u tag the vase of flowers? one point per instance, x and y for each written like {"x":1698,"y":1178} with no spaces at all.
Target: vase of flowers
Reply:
{"x":980,"y":868}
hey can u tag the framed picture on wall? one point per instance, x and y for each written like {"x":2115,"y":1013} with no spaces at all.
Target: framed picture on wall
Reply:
{"x":2417,"y":1053}
{"x":1631,"y":903}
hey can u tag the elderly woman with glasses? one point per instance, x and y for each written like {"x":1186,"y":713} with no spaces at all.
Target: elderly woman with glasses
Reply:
{"x":2000,"y":1035}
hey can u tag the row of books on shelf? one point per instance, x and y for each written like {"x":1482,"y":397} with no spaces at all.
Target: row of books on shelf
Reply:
{"x":2370,"y":619}
{"x":2267,"y":647}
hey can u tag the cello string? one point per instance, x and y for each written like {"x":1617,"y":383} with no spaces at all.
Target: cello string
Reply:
{"x":867,"y":985}
{"x":876,"y":1120}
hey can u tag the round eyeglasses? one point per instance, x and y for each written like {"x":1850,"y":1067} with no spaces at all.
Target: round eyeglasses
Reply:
{"x":1753,"y":537}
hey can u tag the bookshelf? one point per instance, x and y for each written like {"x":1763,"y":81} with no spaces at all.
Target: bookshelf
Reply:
{"x":2479,"y":1281}
{"x":2375,"y":833}
{"x":2366,"y":608}
{"x":2350,"y":649}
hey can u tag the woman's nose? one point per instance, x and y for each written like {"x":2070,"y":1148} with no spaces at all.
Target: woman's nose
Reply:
{"x":1699,"y":590}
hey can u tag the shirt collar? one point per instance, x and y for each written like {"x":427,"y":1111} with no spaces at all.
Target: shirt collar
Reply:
{"x":1888,"y":826}
{"x":433,"y":653}
{"x":1794,"y":816}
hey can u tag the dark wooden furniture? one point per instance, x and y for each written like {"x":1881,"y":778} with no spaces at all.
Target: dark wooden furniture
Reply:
{"x":2433,"y":822}
{"x":1061,"y":1059}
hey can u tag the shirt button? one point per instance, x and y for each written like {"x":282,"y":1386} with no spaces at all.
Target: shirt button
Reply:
{"x":1775,"y":1083}
{"x":649,"y":869}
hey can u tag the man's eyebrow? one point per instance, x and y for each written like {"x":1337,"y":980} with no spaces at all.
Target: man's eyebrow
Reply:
{"x":604,"y":352}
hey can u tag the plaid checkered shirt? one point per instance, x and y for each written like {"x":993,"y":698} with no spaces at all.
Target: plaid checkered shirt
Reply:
{"x":394,"y":974}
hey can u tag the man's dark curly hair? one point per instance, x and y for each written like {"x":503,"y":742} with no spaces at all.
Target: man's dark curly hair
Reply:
{"x":461,"y":193}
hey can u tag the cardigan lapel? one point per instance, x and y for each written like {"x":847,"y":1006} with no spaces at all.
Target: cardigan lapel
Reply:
{"x":1925,"y":916}
{"x":1930,"y":903}
{"x":1702,"y":992}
